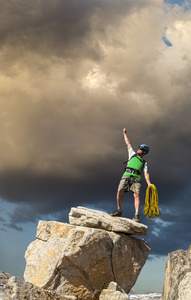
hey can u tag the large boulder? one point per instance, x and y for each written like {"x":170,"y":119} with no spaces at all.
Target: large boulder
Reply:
{"x":97,"y":219}
{"x":177,"y":283}
{"x":14,"y":288}
{"x":82,"y":261}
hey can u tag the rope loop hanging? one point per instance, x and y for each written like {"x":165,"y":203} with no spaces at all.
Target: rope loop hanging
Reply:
{"x":151,"y":208}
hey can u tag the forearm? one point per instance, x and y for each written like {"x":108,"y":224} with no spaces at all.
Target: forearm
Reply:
{"x":147,"y":178}
{"x":126,"y":139}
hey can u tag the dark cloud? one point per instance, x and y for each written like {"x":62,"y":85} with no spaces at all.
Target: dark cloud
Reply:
{"x":73,"y":75}
{"x":58,"y":29}
{"x":2,"y":219}
{"x":170,"y":236}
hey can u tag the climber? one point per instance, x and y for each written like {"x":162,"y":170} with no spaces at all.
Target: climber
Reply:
{"x":131,"y":179}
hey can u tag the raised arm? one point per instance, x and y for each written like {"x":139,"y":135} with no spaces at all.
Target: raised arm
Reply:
{"x":127,"y":141}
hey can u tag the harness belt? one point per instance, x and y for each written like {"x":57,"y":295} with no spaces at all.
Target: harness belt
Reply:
{"x":133,"y":171}
{"x":131,"y":180}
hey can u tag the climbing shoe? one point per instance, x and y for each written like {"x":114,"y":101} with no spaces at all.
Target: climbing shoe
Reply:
{"x":117,"y":213}
{"x":136,"y":219}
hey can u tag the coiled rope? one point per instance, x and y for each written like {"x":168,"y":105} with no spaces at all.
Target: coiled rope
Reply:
{"x":151,"y":208}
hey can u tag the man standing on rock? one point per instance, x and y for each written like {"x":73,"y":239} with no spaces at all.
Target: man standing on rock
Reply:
{"x":131,"y":179}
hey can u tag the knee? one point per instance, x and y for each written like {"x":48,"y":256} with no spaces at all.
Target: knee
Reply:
{"x":120,"y":192}
{"x":137,"y":196}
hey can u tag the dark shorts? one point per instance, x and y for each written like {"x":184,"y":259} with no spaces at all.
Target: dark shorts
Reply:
{"x":130,"y":184}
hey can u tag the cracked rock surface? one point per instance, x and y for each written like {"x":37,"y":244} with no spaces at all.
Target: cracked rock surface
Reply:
{"x":12,"y":287}
{"x":82,"y":261}
{"x":177,"y":283}
{"x":98,"y":219}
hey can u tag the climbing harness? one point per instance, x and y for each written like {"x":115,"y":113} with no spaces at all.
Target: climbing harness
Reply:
{"x":151,"y":208}
{"x":132,"y":171}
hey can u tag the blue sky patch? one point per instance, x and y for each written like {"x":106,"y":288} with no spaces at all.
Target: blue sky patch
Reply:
{"x":179,"y":2}
{"x":165,"y":40}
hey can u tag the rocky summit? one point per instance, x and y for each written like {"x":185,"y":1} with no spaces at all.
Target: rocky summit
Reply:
{"x":82,"y":260}
{"x":12,"y":287}
{"x":177,"y":283}
{"x":97,"y":219}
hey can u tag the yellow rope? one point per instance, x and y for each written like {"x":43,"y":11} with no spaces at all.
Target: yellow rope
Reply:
{"x":151,"y":208}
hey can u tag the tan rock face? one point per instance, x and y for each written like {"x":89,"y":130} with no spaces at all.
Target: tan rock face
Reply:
{"x":81,"y":261}
{"x":97,"y":219}
{"x":113,"y":292}
{"x":14,"y":288}
{"x":177,"y":283}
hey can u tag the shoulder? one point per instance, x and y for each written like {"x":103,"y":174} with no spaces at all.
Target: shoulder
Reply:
{"x":131,"y":152}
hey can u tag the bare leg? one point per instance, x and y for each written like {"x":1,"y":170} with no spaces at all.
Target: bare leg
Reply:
{"x":119,"y":198}
{"x":137,"y":202}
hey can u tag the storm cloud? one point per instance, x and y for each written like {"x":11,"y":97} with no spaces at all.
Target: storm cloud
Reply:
{"x":73,"y":75}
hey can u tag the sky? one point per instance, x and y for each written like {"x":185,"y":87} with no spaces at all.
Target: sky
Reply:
{"x":73,"y":74}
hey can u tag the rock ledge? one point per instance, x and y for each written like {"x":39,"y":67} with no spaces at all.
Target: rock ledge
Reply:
{"x":96,"y":219}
